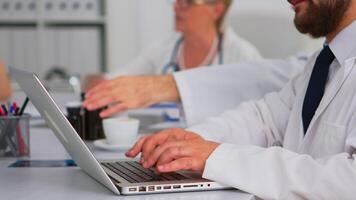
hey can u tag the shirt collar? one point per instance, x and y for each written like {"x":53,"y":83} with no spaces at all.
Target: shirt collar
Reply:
{"x":344,"y":45}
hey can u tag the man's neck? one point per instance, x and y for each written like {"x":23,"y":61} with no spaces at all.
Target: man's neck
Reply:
{"x":350,"y":17}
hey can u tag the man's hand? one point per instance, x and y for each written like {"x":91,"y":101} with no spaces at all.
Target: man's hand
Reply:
{"x":172,"y":150}
{"x":185,"y":155}
{"x":147,"y":144}
{"x":125,"y":93}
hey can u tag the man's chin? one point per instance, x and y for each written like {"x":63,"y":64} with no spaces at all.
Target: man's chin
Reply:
{"x":300,"y":15}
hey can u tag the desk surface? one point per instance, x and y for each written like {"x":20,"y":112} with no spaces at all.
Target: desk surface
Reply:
{"x":72,"y":183}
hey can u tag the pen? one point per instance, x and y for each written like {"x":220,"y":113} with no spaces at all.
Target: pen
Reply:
{"x":4,"y":109}
{"x":8,"y":105}
{"x":15,"y":108}
{"x":2,"y":112}
{"x":11,"y":110}
{"x":23,"y":106}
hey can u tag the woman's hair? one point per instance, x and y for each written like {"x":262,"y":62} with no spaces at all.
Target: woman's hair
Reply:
{"x":220,"y":22}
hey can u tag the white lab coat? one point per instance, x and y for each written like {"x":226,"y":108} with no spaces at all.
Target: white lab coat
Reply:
{"x":153,"y":60}
{"x":320,"y":165}
{"x":207,"y":92}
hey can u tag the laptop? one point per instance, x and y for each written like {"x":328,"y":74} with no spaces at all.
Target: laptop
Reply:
{"x":125,"y":177}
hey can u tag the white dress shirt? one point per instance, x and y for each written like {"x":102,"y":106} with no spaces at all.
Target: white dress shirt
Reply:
{"x":318,"y":165}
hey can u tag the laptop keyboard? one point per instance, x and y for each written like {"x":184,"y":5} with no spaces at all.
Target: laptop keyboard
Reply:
{"x":133,"y":172}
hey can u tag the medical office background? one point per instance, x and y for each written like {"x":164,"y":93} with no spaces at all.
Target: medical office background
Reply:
{"x":89,"y":36}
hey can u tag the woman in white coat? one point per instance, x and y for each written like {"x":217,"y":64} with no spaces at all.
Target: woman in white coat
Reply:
{"x":201,"y":39}
{"x":271,"y":148}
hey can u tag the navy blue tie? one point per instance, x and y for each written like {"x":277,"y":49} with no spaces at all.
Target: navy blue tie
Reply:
{"x":316,"y":87}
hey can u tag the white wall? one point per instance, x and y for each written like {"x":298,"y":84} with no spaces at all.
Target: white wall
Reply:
{"x":133,"y":25}
{"x":122,"y":29}
{"x":269,"y":26}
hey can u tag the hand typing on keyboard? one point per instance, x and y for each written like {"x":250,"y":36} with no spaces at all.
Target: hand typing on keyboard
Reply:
{"x":172,"y":150}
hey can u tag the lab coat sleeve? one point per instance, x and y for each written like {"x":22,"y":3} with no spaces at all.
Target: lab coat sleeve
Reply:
{"x":207,"y":92}
{"x":276,"y":173}
{"x":260,"y":123}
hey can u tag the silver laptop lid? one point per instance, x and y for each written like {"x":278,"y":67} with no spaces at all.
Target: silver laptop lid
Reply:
{"x":55,"y":119}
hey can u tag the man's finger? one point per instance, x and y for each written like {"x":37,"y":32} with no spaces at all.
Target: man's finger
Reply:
{"x":157,"y":152}
{"x":174,"y":153}
{"x":136,"y":149}
{"x":153,"y":142}
{"x":186,"y":163}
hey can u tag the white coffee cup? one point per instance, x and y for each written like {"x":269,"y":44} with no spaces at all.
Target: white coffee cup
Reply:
{"x":121,"y":131}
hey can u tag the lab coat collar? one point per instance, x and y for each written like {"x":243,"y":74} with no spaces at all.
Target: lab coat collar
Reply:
{"x":343,"y":45}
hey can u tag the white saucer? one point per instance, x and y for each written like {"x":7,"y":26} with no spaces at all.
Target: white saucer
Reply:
{"x":103,"y":144}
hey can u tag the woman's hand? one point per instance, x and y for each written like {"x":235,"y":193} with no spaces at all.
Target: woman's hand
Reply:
{"x":125,"y":93}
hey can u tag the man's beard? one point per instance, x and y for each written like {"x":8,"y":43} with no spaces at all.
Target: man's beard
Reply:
{"x":320,"y":20}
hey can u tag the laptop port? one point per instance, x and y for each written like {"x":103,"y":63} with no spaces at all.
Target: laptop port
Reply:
{"x":176,"y":186}
{"x":142,"y":189}
{"x":151,"y":188}
{"x":190,"y":186}
{"x":132,"y":189}
{"x":159,"y":188}
{"x":167,"y":187}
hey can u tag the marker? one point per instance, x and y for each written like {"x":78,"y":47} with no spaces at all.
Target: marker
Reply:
{"x":23,"y":106}
{"x":8,"y":105}
{"x":17,"y":111}
{"x":15,"y":108}
{"x":4,"y":109}
{"x":11,"y":110}
{"x":2,"y":112}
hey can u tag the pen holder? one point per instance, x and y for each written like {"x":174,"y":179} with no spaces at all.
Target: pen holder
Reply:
{"x":14,"y":136}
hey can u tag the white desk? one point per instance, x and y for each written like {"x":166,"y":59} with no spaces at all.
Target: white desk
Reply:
{"x":72,"y":183}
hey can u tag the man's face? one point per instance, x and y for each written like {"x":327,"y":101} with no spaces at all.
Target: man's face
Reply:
{"x":318,"y":17}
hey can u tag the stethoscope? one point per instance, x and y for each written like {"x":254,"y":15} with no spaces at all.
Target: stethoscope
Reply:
{"x":173,"y":65}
